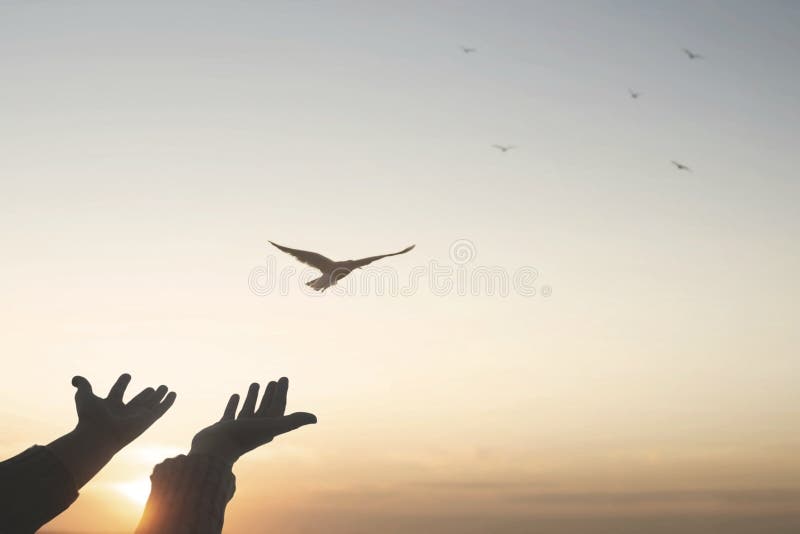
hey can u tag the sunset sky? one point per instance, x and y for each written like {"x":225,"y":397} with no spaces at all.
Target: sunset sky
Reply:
{"x":150,"y":149}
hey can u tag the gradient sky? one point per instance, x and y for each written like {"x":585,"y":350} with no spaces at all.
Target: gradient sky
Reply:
{"x":149,"y":149}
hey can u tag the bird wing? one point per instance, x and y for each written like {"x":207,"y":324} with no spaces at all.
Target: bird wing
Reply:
{"x":313,"y":259}
{"x":681,"y":166}
{"x":366,"y":261}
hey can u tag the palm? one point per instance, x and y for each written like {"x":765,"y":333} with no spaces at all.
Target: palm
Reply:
{"x":233,"y":436}
{"x":122,"y":422}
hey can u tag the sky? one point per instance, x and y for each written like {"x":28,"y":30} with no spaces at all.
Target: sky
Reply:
{"x":149,"y":150}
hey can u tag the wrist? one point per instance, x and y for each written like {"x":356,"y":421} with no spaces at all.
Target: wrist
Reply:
{"x":225,"y":453}
{"x":101,"y":441}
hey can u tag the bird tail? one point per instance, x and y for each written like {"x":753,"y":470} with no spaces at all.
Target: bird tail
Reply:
{"x":319,"y":284}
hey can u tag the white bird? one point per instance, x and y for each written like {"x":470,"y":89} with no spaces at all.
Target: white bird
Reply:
{"x":332,"y":271}
{"x":503,"y":148}
{"x":468,"y":49}
{"x":634,"y":94}
{"x":681,"y":166}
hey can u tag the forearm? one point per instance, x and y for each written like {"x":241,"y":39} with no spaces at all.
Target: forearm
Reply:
{"x":188,"y":496}
{"x":40,"y":483}
{"x":35,"y":486}
{"x":84,"y":453}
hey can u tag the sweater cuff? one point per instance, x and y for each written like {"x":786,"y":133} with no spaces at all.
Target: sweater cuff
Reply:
{"x":45,"y":488}
{"x":189,"y":494}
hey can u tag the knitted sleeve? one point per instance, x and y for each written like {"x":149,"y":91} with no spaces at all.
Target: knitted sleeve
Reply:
{"x":188,"y":495}
{"x":34,"y":488}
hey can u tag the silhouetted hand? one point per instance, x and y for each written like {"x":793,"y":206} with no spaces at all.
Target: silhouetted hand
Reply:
{"x":232,"y":436}
{"x":113,"y":421}
{"x":106,"y":425}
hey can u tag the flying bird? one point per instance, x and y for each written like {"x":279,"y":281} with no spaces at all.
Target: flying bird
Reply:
{"x":332,"y":271}
{"x":691,"y":55}
{"x":468,"y":49}
{"x":503,"y":148}
{"x":681,"y":166}
{"x":634,"y":94}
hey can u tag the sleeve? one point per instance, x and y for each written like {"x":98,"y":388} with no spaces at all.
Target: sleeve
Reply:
{"x":34,"y":488}
{"x":188,"y":495}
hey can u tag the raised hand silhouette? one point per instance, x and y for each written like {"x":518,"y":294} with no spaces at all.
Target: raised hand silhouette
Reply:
{"x":116,"y":422}
{"x":189,"y":493}
{"x":232,"y":436}
{"x":106,"y":425}
{"x":42,"y":481}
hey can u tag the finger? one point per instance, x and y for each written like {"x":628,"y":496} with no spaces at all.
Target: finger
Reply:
{"x":83,"y":385}
{"x":293,"y":421}
{"x":249,"y":405}
{"x":118,"y":389}
{"x":142,"y":397}
{"x":162,"y":407}
{"x":278,"y":406}
{"x":157,"y":395}
{"x":230,"y":408}
{"x":266,"y":402}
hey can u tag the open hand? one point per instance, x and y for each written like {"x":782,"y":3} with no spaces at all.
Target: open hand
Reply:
{"x":232,"y":436}
{"x":110,"y":419}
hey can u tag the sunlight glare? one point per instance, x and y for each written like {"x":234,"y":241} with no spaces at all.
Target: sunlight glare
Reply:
{"x":136,"y":490}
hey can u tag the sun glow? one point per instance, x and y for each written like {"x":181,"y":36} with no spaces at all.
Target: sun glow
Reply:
{"x":136,"y":490}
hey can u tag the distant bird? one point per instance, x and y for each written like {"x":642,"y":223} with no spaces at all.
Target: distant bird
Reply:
{"x":691,"y":55}
{"x":681,"y":166}
{"x":332,"y":271}
{"x":468,"y":49}
{"x":634,"y":94}
{"x":503,"y":148}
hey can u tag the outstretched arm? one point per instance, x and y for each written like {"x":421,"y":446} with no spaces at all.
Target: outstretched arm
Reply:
{"x":41,"y":482}
{"x":189,"y":493}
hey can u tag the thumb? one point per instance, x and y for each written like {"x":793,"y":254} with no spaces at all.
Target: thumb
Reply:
{"x":83,"y":385}
{"x":293,"y":421}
